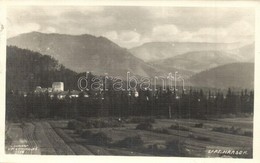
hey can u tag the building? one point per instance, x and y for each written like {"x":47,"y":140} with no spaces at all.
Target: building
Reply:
{"x":74,"y":94}
{"x":62,"y":95}
{"x":57,"y":86}
{"x":49,"y":90}
{"x":39,"y":89}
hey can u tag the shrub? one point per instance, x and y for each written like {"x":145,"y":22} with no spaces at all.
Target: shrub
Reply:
{"x":100,"y":139}
{"x":101,"y":123}
{"x":8,"y":140}
{"x":198,"y":125}
{"x":203,"y":138}
{"x":179,"y":127}
{"x":231,"y":130}
{"x":248,"y":133}
{"x":75,"y":125}
{"x":156,"y":148}
{"x":78,"y":131}
{"x":97,"y":124}
{"x":237,"y":131}
{"x":86,"y":134}
{"x":191,"y":135}
{"x":161,"y":131}
{"x":89,"y":125}
{"x":175,"y":148}
{"x":153,"y":147}
{"x":220,"y":129}
{"x":144,"y":126}
{"x":130,"y":142}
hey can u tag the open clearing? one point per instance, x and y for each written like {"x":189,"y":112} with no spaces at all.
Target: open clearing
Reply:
{"x":52,"y":137}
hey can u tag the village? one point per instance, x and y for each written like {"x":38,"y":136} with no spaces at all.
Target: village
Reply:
{"x":58,"y":90}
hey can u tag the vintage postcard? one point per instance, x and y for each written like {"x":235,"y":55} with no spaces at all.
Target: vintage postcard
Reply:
{"x":156,"y":79}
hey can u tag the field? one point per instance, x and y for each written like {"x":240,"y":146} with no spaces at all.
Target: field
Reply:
{"x":159,"y":137}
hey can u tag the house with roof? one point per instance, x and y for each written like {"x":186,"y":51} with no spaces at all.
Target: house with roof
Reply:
{"x":57,"y":86}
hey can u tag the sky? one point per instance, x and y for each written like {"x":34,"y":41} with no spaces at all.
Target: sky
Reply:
{"x":132,"y":26}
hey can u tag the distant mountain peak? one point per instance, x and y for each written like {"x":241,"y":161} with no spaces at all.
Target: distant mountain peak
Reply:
{"x":236,"y":75}
{"x":85,"y":52}
{"x":152,"y":51}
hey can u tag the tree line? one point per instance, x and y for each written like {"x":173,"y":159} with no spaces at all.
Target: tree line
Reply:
{"x":187,"y":104}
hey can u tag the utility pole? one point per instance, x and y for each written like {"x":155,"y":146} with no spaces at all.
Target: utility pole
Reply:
{"x":170,"y":112}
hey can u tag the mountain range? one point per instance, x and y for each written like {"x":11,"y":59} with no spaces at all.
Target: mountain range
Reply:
{"x":192,"y":56}
{"x":153,"y":51}
{"x":84,"y":53}
{"x":81,"y":53}
{"x":197,"y":61}
{"x":234,"y":75}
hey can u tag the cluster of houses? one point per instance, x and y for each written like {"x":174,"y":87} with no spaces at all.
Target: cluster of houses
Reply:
{"x":58,"y":90}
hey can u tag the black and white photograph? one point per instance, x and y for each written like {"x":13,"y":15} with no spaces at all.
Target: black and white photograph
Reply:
{"x":122,"y":80}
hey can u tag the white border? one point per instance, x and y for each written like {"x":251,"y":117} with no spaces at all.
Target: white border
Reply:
{"x":69,"y":159}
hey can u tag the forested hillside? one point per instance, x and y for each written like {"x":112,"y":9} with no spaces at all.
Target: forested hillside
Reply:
{"x":26,"y":69}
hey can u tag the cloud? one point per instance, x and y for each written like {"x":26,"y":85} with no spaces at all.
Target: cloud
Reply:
{"x":22,"y":28}
{"x":111,"y":35}
{"x":169,"y":32}
{"x":132,"y":26}
{"x":163,"y":12}
{"x":124,"y":38}
{"x":238,"y":31}
{"x":49,"y":30}
{"x":165,"y":32}
{"x":59,"y":11}
{"x":194,"y":18}
{"x":241,"y":28}
{"x":129,"y":36}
